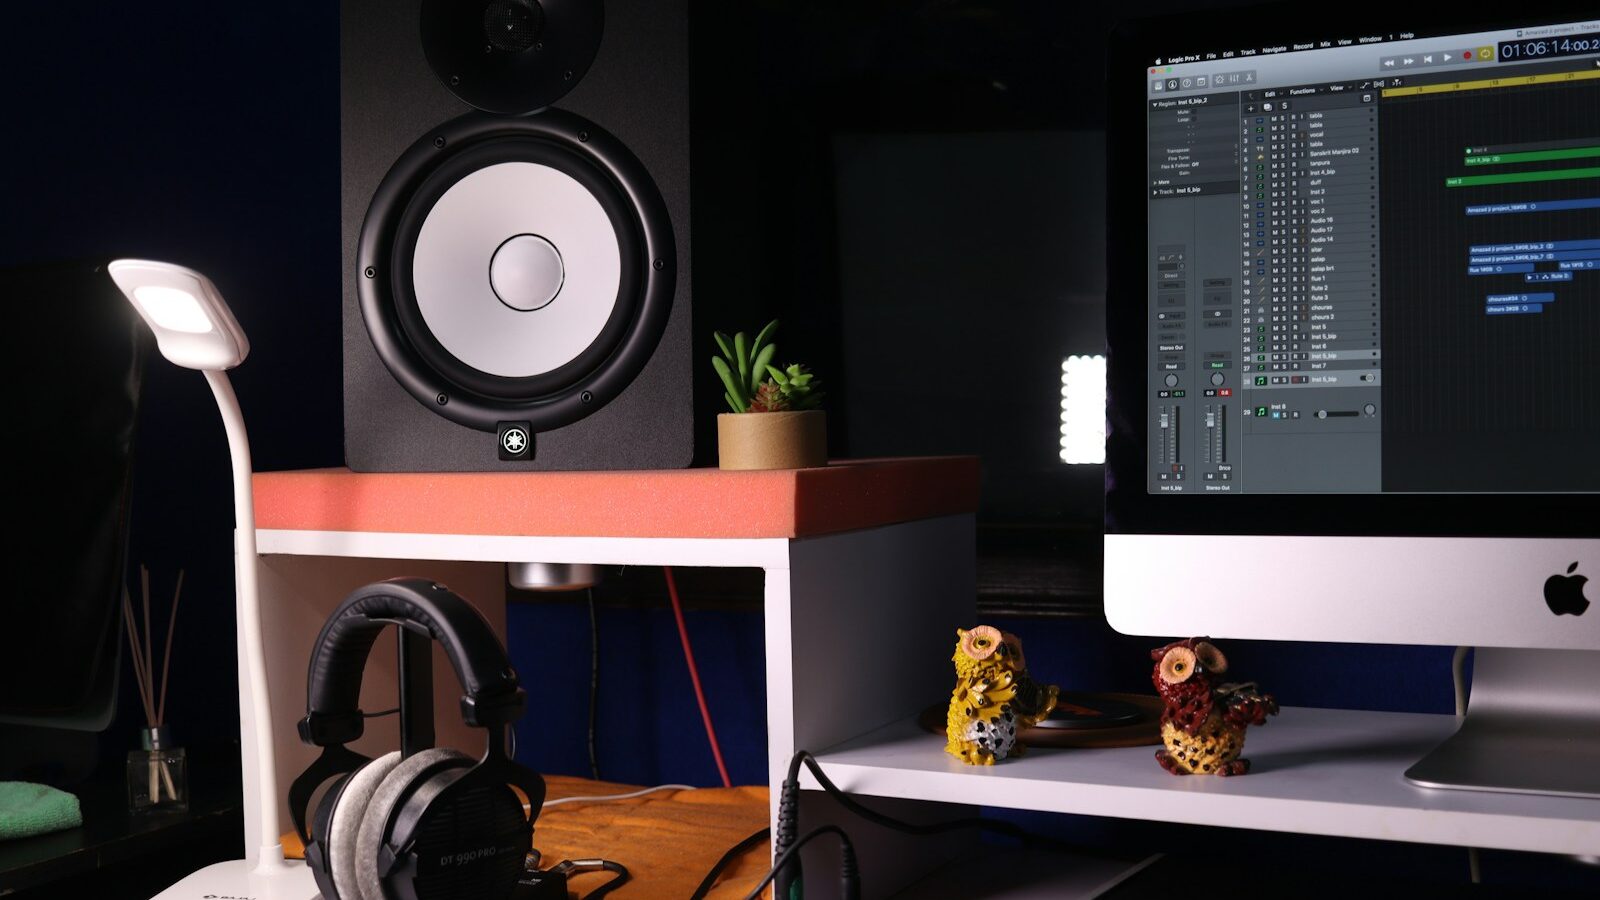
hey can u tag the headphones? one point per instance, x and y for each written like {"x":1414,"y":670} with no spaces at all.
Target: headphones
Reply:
{"x":437,"y":823}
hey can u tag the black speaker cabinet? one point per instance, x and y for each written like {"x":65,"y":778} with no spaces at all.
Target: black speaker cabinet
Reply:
{"x":516,"y":234}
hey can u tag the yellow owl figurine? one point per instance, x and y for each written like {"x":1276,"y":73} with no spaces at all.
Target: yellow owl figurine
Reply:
{"x":994,"y":698}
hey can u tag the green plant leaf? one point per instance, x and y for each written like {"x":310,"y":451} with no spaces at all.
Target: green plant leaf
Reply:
{"x":763,"y":338}
{"x":722,"y":343}
{"x":778,"y":376}
{"x":734,"y":389}
{"x":741,"y":349}
{"x":759,"y":367}
{"x":732,"y":405}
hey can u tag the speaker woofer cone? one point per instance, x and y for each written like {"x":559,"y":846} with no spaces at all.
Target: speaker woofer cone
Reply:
{"x":557,"y":147}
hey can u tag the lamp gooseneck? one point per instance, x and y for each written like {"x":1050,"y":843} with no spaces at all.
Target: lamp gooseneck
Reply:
{"x":270,"y":846}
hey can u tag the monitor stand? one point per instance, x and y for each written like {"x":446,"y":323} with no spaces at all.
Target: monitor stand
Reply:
{"x":1532,"y":727}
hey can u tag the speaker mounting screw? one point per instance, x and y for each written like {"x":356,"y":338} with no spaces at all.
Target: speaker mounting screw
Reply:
{"x":455,"y":80}
{"x":538,"y":45}
{"x":660,"y":264}
{"x":370,"y":272}
{"x":567,"y":75}
{"x":587,"y":397}
{"x":442,"y":399}
{"x":583,"y":137}
{"x":439,"y":142}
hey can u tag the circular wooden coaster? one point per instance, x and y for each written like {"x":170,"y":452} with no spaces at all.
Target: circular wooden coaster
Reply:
{"x":1145,"y":732}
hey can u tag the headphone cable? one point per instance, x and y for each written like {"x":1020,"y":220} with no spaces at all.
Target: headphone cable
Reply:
{"x":569,"y":867}
{"x":849,"y":873}
{"x":710,"y":881}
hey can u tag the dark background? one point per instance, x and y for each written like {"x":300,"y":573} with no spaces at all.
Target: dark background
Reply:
{"x":915,"y":188}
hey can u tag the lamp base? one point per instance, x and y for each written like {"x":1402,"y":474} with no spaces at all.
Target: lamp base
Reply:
{"x":241,"y":878}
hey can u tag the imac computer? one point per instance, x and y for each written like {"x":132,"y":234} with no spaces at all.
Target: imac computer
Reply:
{"x":1354,"y":352}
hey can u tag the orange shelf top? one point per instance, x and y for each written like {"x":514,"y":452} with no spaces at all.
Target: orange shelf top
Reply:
{"x":679,"y":503}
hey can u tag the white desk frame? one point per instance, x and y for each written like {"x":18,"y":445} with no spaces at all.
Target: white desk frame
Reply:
{"x":859,"y":628}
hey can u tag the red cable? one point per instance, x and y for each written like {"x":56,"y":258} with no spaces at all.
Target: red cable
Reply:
{"x":694,"y":676}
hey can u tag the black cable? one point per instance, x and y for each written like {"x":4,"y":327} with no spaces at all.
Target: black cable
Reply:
{"x":788,"y":825}
{"x":382,"y":712}
{"x":849,"y":875}
{"x":785,"y":841}
{"x":594,"y":682}
{"x":570,"y":867}
{"x":707,"y":883}
{"x":791,"y":786}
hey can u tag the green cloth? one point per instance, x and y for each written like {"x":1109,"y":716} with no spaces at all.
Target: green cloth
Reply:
{"x":28,"y":809}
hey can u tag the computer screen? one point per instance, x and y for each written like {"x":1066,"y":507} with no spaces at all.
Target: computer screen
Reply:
{"x":1352,"y":312}
{"x":1372,"y":261}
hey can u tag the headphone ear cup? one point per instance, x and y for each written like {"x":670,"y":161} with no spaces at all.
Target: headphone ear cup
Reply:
{"x":344,"y":822}
{"x":370,"y":834}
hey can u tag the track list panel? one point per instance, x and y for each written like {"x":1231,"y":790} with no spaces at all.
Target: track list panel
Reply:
{"x":1265,"y":360}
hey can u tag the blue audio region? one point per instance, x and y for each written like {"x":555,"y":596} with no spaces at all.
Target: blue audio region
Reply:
{"x":1513,"y":304}
{"x":1521,"y":259}
{"x":1495,"y":209}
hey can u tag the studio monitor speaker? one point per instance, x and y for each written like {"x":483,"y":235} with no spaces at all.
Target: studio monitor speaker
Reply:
{"x":516,"y":234}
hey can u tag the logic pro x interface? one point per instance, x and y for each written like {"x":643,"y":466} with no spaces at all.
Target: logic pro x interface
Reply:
{"x":1374,"y":264}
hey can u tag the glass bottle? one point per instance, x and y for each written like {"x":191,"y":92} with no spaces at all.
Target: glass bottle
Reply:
{"x":158,"y":773}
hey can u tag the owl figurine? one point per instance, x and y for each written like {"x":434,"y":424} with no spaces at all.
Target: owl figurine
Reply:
{"x":1202,"y":719}
{"x":994,"y":698}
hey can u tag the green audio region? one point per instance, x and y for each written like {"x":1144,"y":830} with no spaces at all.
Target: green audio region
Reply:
{"x":1516,"y":177}
{"x":1493,"y":159}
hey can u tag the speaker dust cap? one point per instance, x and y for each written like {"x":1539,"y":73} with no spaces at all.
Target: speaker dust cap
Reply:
{"x":511,"y":56}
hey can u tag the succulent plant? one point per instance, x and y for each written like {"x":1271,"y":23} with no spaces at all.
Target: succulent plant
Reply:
{"x":798,"y":386}
{"x":751,"y":383}
{"x":743,"y":365}
{"x":769,"y":398}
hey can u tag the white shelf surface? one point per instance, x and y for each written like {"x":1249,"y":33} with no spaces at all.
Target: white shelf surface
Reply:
{"x":768,"y":553}
{"x":1315,"y":771}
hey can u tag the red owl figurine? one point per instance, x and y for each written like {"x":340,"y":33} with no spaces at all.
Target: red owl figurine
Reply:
{"x":1203,"y":721}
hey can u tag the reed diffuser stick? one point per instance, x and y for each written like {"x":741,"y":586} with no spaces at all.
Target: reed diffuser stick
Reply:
{"x":152,"y":696}
{"x":149,"y":667}
{"x":133,"y":646}
{"x":166,"y":655}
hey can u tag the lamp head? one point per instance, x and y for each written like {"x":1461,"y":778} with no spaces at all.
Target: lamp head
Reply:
{"x":191,"y":321}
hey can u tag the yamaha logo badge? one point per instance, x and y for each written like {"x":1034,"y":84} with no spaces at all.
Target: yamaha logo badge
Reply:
{"x":516,"y":441}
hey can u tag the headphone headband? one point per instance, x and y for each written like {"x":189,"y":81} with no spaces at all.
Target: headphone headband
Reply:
{"x":491,"y":695}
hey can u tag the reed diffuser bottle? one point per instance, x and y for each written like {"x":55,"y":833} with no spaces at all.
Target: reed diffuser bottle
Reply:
{"x":158,"y":772}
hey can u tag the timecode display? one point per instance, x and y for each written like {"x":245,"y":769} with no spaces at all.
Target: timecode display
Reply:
{"x":1548,"y":48}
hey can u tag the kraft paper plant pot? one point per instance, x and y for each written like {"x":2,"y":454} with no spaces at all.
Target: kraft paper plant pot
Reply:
{"x":772,"y":440}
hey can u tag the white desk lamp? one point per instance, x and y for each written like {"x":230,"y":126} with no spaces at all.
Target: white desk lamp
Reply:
{"x":195,"y":329}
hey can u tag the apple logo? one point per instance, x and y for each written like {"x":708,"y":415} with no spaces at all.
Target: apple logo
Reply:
{"x":1564,"y":593}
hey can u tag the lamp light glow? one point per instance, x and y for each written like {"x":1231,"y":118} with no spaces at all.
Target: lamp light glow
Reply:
{"x":174,"y":308}
{"x":192,"y":323}
{"x":1083,"y":409}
